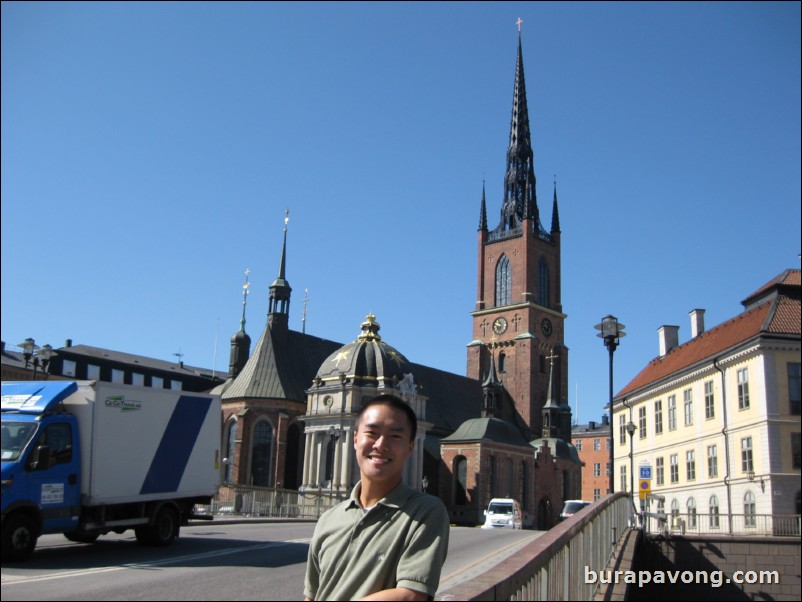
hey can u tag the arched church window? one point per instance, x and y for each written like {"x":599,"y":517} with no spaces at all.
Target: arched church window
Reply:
{"x":502,"y":362}
{"x":261,"y":454}
{"x":460,"y":481}
{"x":491,"y":477}
{"x":543,"y":283}
{"x":231,"y":448}
{"x":503,"y":281}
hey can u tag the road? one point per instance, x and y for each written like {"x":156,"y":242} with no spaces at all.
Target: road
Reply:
{"x":215,"y":561}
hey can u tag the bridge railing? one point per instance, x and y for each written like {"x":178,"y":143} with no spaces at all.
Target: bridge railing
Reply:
{"x":553,"y":565}
{"x":243,"y":500}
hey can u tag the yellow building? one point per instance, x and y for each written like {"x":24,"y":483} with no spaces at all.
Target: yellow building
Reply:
{"x":717,"y":419}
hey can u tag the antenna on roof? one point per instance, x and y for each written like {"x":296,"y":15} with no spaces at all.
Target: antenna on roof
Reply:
{"x":180,"y":356}
{"x":303,"y":319}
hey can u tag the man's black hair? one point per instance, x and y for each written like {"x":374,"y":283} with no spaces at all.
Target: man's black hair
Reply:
{"x":387,"y":399}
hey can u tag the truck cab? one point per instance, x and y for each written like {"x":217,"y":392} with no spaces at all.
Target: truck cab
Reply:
{"x":41,"y":460}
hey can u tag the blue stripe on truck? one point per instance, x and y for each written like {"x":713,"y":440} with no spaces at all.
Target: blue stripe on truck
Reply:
{"x":175,"y":448}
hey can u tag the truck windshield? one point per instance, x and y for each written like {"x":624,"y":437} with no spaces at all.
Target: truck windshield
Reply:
{"x":15,"y":436}
{"x":500,"y":509}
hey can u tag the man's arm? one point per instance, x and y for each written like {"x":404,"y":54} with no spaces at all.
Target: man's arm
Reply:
{"x":398,"y":593}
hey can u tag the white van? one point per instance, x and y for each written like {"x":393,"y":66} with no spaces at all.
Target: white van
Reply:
{"x":503,"y":513}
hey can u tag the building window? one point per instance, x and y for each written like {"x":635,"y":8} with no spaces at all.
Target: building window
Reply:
{"x":596,"y":494}
{"x":523,"y":483}
{"x":137,"y":379}
{"x":330,"y":450}
{"x":710,"y":408}
{"x":623,"y":472}
{"x":688,"y":400}
{"x":674,"y":511}
{"x":660,"y":471}
{"x":672,"y":412}
{"x":674,"y":468}
{"x":157,"y":382}
{"x":658,"y":417}
{"x":68,"y":368}
{"x":597,"y":469}
{"x":117,"y":376}
{"x":691,"y":505}
{"x":607,"y":470}
{"x":743,"y":389}
{"x":543,"y":283}
{"x":750,"y":520}
{"x":461,"y":481}
{"x":642,"y":422}
{"x":622,"y":429}
{"x":712,"y":461}
{"x":261,"y":451}
{"x":578,"y":444}
{"x":714,"y":521}
{"x":503,"y":281}
{"x":793,"y":388}
{"x":746,"y":455}
{"x":597,"y":445}
{"x":176,"y":385}
{"x":92,"y":372}
{"x":796,"y":450}
{"x":502,"y":362}
{"x":690,"y":464}
{"x":607,"y":444}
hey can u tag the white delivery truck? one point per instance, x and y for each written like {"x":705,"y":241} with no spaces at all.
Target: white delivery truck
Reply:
{"x":85,"y":458}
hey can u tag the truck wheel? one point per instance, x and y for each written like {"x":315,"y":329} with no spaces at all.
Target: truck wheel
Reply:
{"x":19,"y":537}
{"x":81,"y":537}
{"x":165,"y":528}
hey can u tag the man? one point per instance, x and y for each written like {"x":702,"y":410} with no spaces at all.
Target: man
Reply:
{"x":387,"y":542}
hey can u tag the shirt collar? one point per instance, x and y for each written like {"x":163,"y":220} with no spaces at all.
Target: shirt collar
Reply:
{"x":396,"y":498}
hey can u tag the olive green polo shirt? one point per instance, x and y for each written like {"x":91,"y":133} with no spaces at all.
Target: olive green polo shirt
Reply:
{"x":401,"y":542}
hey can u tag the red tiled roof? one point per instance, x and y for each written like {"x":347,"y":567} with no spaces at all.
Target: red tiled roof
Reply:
{"x":786,"y":317}
{"x":780,"y":316}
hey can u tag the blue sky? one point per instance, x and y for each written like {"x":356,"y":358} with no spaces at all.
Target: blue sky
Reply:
{"x":149,"y":152}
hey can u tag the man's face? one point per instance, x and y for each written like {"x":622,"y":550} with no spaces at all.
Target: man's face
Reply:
{"x":383,"y":443}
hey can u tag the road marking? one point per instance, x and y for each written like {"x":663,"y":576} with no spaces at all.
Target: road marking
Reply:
{"x":9,"y":580}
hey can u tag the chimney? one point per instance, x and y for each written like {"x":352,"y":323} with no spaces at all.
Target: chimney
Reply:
{"x":697,"y":322}
{"x":605,"y":420}
{"x":591,"y":426}
{"x":68,"y":343}
{"x":669,"y":338}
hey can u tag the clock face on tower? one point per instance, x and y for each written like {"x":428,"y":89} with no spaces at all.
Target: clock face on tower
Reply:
{"x":545,"y":326}
{"x":499,"y":325}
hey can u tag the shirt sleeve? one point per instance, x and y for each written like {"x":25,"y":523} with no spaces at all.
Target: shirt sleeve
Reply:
{"x":312,"y":578}
{"x":422,"y":561}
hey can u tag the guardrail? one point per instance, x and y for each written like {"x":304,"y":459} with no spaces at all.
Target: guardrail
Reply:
{"x":780,"y":525}
{"x":551,"y":567}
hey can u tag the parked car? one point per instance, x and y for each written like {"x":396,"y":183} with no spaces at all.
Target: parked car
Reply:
{"x":503,"y":513}
{"x":572,"y":507}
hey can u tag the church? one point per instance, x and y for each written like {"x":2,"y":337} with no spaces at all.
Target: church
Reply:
{"x":502,"y":430}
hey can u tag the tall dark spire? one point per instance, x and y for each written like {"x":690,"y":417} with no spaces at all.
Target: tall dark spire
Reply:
{"x":520,"y":197}
{"x":555,"y":213}
{"x":279,"y":306}
{"x":483,"y":210}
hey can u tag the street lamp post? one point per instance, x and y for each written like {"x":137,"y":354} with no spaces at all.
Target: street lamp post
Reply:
{"x":631,"y":430}
{"x":38,"y":356}
{"x":611,"y":332}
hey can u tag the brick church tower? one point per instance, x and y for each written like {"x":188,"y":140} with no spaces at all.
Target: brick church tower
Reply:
{"x":518,"y":320}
